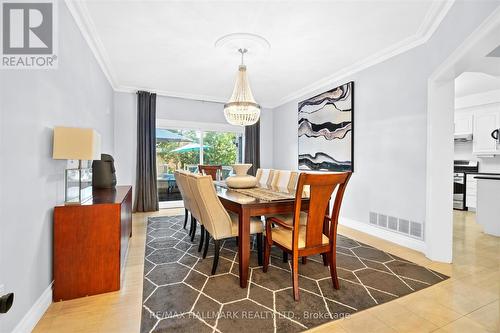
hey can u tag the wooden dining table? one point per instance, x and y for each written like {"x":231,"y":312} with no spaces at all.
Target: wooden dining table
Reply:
{"x":247,"y":206}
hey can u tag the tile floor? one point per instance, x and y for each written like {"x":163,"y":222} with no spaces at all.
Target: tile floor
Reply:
{"x":467,"y":302}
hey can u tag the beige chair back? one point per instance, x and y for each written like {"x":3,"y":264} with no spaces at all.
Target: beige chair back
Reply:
{"x":292,"y":183}
{"x":282,"y":178}
{"x":266,"y":177}
{"x":214,"y":216}
{"x":180,"y":184}
{"x":258,"y":175}
{"x":192,"y":204}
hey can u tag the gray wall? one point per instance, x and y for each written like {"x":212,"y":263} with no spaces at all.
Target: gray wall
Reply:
{"x":390,"y":122}
{"x":177,"y":109}
{"x":32,"y":102}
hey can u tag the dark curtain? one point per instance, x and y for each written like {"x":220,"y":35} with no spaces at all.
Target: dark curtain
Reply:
{"x":146,"y":192}
{"x":252,"y":147}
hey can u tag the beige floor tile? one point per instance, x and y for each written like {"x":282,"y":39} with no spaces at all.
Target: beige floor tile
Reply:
{"x":488,"y":316}
{"x":365,"y":322}
{"x":401,"y":319}
{"x":463,"y":325}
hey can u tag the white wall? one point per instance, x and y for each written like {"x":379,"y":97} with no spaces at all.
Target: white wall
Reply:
{"x":32,"y":102}
{"x":390,"y":115}
{"x":174,"y":109}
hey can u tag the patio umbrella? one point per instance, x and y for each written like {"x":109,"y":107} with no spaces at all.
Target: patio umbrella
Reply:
{"x":189,"y":147}
{"x":163,"y":135}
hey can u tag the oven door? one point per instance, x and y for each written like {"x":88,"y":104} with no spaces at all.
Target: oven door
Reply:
{"x":459,"y":190}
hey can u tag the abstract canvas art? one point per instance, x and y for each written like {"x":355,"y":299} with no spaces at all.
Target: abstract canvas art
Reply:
{"x":326,"y":130}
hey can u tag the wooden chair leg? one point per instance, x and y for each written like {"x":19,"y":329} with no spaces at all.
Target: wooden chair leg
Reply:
{"x":186,"y":213}
{"x":267,"y":253}
{"x":216,"y":256}
{"x":267,"y":247}
{"x":333,"y":269}
{"x":202,"y":237}
{"x":285,"y":256}
{"x":194,"y":230}
{"x":259,"y":248}
{"x":207,"y":241}
{"x":304,"y":260}
{"x":325,"y":258}
{"x":295,"y":276}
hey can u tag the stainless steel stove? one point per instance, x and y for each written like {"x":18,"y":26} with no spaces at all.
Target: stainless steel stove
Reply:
{"x":460,"y":168}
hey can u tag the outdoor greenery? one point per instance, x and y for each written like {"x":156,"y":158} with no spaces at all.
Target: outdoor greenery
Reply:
{"x":221,"y":149}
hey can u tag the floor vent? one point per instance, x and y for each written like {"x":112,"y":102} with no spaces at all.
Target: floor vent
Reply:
{"x":398,"y":225}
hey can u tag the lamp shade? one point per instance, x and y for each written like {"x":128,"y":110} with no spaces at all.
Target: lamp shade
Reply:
{"x":71,"y":143}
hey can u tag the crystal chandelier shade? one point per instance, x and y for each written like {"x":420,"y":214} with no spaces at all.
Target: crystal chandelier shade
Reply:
{"x":242,"y":109}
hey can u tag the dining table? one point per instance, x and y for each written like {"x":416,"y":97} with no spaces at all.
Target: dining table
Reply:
{"x":246,"y":204}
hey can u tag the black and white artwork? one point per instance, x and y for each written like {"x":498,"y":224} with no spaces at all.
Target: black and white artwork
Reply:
{"x":326,"y":130}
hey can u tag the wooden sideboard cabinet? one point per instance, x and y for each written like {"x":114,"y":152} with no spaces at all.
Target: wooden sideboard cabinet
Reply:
{"x":91,"y":243}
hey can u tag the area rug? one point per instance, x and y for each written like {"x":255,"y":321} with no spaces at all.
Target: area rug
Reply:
{"x":180,"y":295}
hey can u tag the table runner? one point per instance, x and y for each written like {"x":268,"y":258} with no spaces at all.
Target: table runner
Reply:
{"x":260,"y":193}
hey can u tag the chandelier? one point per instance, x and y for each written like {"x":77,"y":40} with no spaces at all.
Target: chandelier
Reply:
{"x":242,"y":109}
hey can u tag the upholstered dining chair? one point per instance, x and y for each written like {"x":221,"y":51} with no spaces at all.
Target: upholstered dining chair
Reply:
{"x":193,"y":205}
{"x":265,"y":177}
{"x":180,"y":185}
{"x":313,"y":232}
{"x":217,"y":222}
{"x":285,"y":179}
{"x":210,"y":170}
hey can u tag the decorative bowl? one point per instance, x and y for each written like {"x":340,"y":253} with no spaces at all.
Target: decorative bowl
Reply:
{"x":241,"y":179}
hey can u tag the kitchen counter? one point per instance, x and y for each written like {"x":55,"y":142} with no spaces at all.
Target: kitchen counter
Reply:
{"x":488,"y":208}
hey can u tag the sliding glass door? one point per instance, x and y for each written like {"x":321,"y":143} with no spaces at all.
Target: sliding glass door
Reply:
{"x":186,"y":149}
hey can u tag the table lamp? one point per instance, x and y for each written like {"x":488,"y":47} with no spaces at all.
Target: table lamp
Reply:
{"x":82,"y":144}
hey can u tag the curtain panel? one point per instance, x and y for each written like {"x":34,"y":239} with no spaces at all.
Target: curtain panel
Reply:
{"x":146,"y":191}
{"x":252,"y":147}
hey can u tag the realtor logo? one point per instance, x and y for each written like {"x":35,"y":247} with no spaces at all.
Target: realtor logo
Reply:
{"x":28,"y":35}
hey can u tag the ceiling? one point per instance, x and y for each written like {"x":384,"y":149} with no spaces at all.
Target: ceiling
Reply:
{"x":168,"y":47}
{"x":469,"y":83}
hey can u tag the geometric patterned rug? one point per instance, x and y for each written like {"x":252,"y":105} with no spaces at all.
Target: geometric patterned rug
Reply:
{"x":180,"y":294}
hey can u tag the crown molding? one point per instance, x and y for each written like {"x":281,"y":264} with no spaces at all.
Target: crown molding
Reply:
{"x":431,"y":22}
{"x":80,"y":13}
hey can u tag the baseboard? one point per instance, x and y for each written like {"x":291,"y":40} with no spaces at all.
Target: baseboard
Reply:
{"x":35,"y":313}
{"x":414,"y":244}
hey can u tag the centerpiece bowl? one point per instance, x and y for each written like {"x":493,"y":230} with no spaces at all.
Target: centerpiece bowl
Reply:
{"x":241,"y":179}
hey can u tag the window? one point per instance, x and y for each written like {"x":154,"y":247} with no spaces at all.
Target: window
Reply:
{"x":178,"y":148}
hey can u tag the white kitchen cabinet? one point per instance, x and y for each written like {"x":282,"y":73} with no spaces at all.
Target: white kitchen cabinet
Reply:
{"x":485,"y":123}
{"x":464,"y":123}
{"x":471,"y":192}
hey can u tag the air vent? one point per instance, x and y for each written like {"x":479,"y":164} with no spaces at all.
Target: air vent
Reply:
{"x":382,"y":221}
{"x":404,"y":226}
{"x":399,"y":225}
{"x":393,"y":223}
{"x":415,"y":229}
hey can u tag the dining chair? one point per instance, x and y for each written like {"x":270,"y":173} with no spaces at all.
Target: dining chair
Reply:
{"x":313,"y":232}
{"x":193,"y":205}
{"x":265,"y":177}
{"x":284,"y":179}
{"x":292,"y":183}
{"x":180,"y":185}
{"x":258,"y":175}
{"x":210,"y":170}
{"x":217,"y":221}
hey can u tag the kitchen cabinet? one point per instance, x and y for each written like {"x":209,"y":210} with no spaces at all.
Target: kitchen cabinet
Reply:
{"x":471,"y":192}
{"x":464,"y":123}
{"x":484,"y":123}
